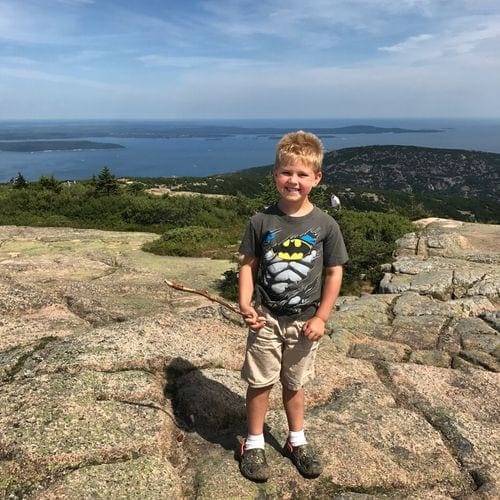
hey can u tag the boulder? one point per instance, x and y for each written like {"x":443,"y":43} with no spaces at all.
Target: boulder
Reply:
{"x":463,"y":407}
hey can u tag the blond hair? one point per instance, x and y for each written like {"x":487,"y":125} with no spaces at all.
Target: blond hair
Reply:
{"x":302,"y":146}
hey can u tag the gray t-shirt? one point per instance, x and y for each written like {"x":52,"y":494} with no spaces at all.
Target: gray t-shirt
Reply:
{"x":293,"y":252}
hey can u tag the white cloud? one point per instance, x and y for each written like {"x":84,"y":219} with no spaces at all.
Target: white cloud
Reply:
{"x":242,"y":58}
{"x":483,"y":30}
{"x":294,"y":18}
{"x":36,"y":75}
{"x":85,"y":56}
{"x":17,"y":61}
{"x":379,"y":90}
{"x":409,"y":44}
{"x":456,"y":87}
{"x":161,"y":61}
{"x":29,"y":22}
{"x":463,"y":36}
{"x":76,"y":3}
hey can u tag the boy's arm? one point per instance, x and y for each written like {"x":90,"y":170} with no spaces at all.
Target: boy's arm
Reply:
{"x":314,"y":328}
{"x":247,"y":272}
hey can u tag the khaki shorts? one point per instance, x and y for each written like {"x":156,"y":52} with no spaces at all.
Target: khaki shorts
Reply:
{"x":279,"y":351}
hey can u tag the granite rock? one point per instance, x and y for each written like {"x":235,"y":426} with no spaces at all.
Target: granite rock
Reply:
{"x":115,"y":386}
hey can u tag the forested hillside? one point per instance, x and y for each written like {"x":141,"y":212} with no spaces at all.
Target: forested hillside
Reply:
{"x":413,"y":181}
{"x":451,"y":172}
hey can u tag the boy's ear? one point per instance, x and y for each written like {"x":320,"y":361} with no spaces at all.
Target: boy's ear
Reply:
{"x":317,"y":178}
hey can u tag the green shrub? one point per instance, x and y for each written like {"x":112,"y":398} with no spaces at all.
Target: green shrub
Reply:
{"x":196,"y":241}
{"x":370,"y":241}
{"x":228,"y":286}
{"x":50,"y":183}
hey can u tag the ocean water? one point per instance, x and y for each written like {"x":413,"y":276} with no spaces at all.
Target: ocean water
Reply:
{"x":201,"y":156}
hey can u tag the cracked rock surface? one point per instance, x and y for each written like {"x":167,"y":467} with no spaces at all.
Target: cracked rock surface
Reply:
{"x":112,"y":385}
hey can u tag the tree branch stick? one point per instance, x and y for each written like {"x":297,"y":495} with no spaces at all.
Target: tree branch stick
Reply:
{"x":204,"y":293}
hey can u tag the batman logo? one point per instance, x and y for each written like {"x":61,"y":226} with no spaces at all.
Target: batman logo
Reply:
{"x":293,"y":249}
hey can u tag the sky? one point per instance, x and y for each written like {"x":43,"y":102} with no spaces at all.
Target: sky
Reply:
{"x":165,"y":59}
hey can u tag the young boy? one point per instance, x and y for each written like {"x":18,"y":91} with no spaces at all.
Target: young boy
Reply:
{"x":284,"y":251}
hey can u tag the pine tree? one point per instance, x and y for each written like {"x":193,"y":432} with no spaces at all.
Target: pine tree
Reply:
{"x":19,"y":182}
{"x":105,"y":182}
{"x":269,"y":194}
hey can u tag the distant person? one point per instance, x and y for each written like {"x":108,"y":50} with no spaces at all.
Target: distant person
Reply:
{"x":284,"y":251}
{"x":335,"y":202}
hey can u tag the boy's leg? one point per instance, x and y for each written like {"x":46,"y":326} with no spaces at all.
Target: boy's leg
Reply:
{"x":261,"y":368}
{"x":293,"y":401}
{"x":298,"y":369}
{"x":296,"y":446}
{"x":253,"y":464}
{"x":257,"y":402}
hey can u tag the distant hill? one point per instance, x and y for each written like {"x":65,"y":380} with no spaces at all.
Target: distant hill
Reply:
{"x":408,"y":169}
{"x":453,"y":172}
{"x":414,"y":181}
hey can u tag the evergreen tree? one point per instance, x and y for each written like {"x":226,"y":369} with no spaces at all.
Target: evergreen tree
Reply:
{"x":19,"y":182}
{"x":105,"y":182}
{"x":268,"y":194}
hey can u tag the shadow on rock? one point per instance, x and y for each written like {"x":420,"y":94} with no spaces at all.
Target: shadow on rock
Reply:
{"x":210,"y":402}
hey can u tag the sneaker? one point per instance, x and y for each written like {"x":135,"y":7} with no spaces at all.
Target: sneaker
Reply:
{"x":253,"y":464}
{"x":304,"y":458}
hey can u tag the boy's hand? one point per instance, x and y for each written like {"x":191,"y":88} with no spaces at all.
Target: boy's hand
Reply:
{"x":314,"y":328}
{"x":252,"y":318}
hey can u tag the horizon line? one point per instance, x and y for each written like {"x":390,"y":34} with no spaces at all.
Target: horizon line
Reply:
{"x":471,"y":118}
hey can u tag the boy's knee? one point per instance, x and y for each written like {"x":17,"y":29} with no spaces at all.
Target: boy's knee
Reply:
{"x":290,"y":392}
{"x":255,"y":391}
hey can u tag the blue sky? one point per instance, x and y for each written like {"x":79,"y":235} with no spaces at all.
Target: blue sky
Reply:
{"x":249,"y":59}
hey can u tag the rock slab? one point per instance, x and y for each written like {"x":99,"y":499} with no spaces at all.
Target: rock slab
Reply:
{"x":115,"y":386}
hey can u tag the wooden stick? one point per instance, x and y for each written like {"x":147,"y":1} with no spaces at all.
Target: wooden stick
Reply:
{"x":204,"y":293}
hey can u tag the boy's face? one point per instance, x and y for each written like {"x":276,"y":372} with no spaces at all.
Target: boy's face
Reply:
{"x":295,"y":180}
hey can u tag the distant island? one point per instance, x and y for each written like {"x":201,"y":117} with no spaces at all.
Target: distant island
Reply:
{"x":368,"y":129}
{"x":36,"y":146}
{"x":160,"y":130}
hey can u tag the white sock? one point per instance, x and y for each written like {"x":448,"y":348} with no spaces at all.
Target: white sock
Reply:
{"x":254,"y":441}
{"x":297,"y":438}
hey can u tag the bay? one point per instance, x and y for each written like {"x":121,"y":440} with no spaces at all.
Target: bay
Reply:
{"x":202,"y":156}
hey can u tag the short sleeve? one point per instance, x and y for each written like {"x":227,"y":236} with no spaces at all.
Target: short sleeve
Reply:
{"x":334,"y":251}
{"x":249,"y":244}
